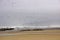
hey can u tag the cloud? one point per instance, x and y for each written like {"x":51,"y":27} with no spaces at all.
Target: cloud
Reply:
{"x":29,"y":12}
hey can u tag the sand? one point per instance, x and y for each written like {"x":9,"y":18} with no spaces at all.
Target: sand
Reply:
{"x":33,"y":35}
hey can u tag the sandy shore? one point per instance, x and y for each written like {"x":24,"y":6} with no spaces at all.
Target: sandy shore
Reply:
{"x":32,"y":35}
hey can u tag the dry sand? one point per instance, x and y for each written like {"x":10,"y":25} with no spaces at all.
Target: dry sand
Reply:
{"x":33,"y":35}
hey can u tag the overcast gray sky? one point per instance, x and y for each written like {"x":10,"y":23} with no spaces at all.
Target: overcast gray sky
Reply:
{"x":29,"y":12}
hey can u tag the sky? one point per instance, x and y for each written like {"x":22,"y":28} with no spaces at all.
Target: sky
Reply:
{"x":29,"y":12}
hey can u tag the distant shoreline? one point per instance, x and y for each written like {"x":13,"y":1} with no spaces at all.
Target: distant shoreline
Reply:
{"x":36,"y":29}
